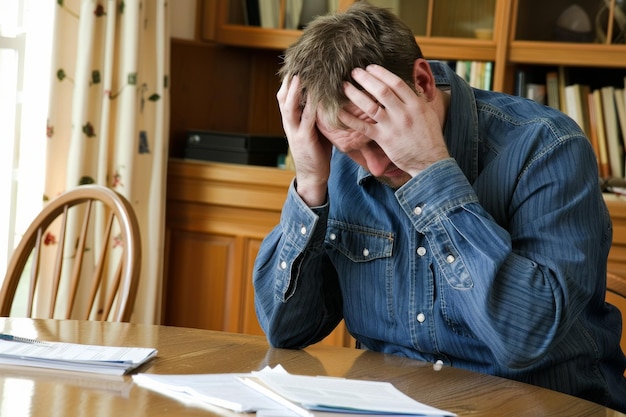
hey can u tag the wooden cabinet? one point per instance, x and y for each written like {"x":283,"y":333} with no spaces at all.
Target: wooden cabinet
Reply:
{"x":426,"y":18}
{"x":617,"y":256}
{"x":217,"y":215}
{"x":537,"y":44}
{"x":227,"y":79}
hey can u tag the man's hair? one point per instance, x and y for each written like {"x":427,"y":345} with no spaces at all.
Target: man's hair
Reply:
{"x":333,"y":45}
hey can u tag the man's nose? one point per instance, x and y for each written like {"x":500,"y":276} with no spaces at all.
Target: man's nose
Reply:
{"x":376,"y":160}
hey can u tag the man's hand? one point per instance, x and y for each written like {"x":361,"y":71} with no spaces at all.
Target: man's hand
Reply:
{"x":310,"y":151}
{"x":405,"y":124}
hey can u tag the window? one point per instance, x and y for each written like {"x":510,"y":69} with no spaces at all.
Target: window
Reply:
{"x":25,"y":56}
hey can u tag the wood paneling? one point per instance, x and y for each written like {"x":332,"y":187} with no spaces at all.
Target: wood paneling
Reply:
{"x":199,"y":298}
{"x":217,"y":216}
{"x":617,"y":255}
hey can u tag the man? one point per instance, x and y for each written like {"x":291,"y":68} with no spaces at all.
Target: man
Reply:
{"x":443,"y":223}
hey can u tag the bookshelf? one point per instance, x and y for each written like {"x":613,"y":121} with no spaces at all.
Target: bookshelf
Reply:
{"x":511,"y":34}
{"x":508,"y":33}
{"x":589,"y":60}
{"x":481,"y":37}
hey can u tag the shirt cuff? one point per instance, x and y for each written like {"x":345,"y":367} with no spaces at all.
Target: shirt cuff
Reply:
{"x":440,"y":188}
{"x":304,"y":226}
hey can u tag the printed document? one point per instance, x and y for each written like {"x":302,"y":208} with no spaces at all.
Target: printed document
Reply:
{"x":273,"y":391}
{"x":114,"y":360}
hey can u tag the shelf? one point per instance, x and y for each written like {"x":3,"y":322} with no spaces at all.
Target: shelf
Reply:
{"x":457,"y":48}
{"x":233,"y":185}
{"x":572,"y":54}
{"x":256,"y":37}
{"x":433,"y":48}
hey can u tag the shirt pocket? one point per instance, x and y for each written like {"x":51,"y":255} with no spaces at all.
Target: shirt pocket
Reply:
{"x":358,"y":243}
{"x":362,"y":257}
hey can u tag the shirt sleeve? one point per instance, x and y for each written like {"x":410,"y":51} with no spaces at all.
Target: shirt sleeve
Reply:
{"x":519,"y":281}
{"x":297,"y":296}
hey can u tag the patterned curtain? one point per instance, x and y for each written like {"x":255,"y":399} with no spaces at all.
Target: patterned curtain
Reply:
{"x":108,"y":116}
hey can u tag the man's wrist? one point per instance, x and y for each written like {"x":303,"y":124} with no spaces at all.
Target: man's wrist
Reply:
{"x":314,"y":195}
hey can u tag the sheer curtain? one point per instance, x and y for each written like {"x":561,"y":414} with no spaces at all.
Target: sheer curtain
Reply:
{"x":108,"y":115}
{"x":84,"y":99}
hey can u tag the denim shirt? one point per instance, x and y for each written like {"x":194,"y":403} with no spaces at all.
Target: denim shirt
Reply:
{"x":493,"y":260}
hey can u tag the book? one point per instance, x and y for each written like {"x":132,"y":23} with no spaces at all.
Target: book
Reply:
{"x":520,"y":83}
{"x":112,"y":360}
{"x":605,"y":169}
{"x":475,"y":79}
{"x":563,"y":80}
{"x":273,"y":390}
{"x":620,"y":106}
{"x":536,"y":92}
{"x":593,"y":136}
{"x":572,"y":103}
{"x":615,"y":145}
{"x":488,"y":76}
{"x":552,"y":89}
{"x":462,"y":69}
{"x":577,"y":105}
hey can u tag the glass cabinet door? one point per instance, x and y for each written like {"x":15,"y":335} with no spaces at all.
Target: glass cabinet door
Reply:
{"x":584,"y":21}
{"x":277,"y":14}
{"x":445,"y":18}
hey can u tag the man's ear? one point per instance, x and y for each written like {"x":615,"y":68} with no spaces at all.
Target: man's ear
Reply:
{"x":423,"y":79}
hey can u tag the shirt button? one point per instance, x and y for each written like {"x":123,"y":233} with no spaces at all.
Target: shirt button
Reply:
{"x":333,"y":236}
{"x":421,"y":251}
{"x":417,"y":210}
{"x":450,"y":259}
{"x":303,"y":230}
{"x":283,"y":265}
{"x":366,"y":252}
{"x":421,"y":317}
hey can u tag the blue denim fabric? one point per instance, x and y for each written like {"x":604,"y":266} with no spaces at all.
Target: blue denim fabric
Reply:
{"x":493,"y":260}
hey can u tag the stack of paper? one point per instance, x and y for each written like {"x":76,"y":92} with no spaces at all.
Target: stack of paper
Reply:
{"x":111,"y":360}
{"x":272,"y":390}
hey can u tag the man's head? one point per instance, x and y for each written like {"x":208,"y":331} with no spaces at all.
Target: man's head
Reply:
{"x":332,"y":46}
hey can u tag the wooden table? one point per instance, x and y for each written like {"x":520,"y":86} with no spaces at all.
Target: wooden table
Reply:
{"x":30,"y":392}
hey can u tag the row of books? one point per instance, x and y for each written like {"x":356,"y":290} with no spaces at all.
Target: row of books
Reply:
{"x":478,"y":74}
{"x":600,"y":112}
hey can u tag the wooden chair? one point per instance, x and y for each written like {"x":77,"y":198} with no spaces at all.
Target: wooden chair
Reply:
{"x":616,"y":295}
{"x":94,"y":267}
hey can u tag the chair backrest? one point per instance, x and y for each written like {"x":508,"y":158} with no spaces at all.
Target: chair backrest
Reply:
{"x":616,"y":295}
{"x":96,"y":220}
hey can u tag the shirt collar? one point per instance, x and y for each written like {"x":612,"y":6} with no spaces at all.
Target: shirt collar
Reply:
{"x":460,"y":132}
